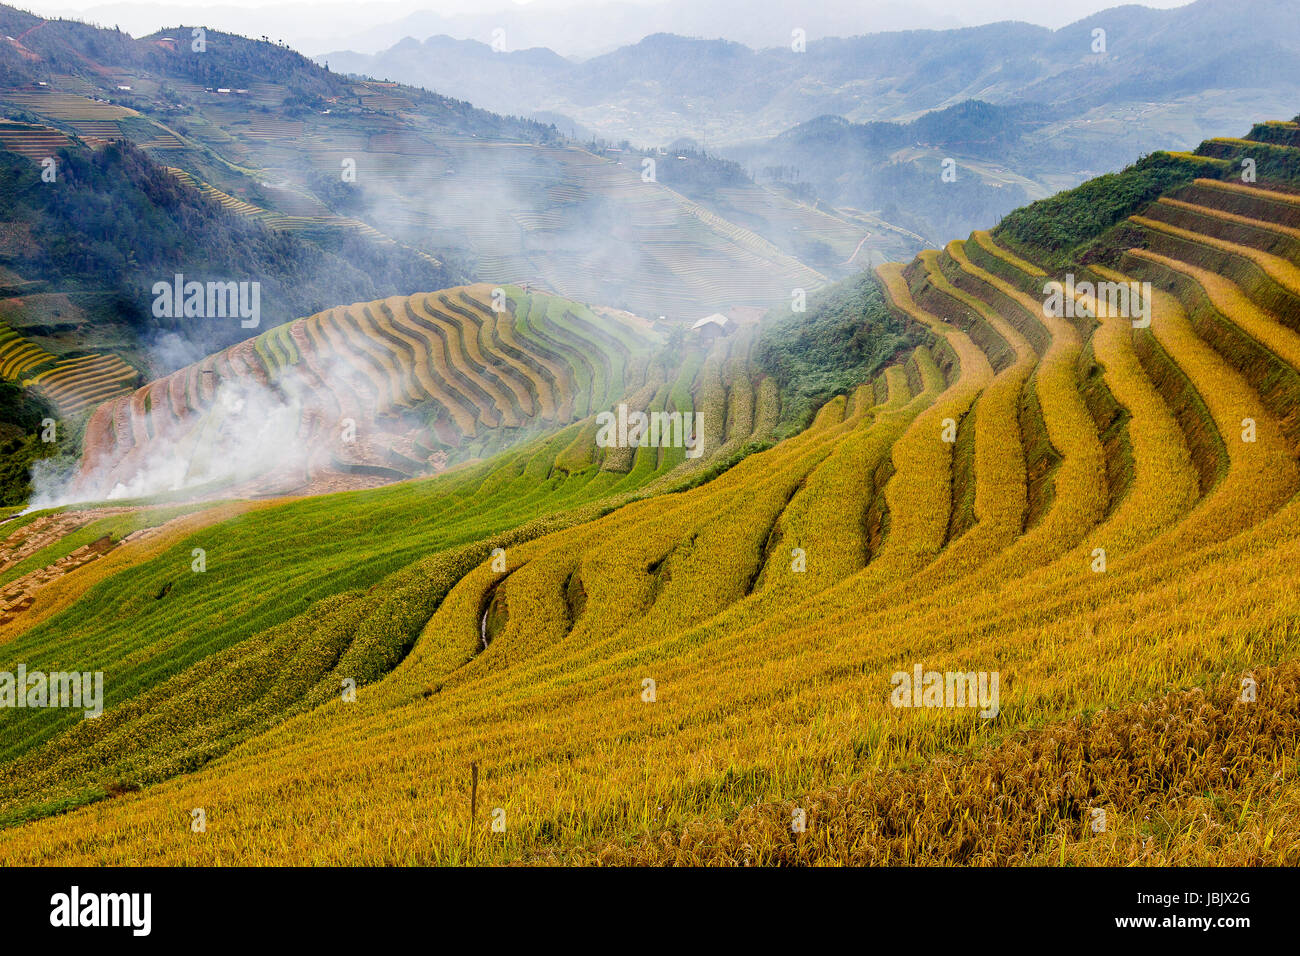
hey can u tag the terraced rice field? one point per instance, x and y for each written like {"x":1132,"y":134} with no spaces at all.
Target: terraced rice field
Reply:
{"x":72,"y":385}
{"x":33,"y":141}
{"x":238,"y":206}
{"x":18,"y":355}
{"x":590,"y":226}
{"x":165,"y":140}
{"x":443,"y":375}
{"x":77,"y":385}
{"x":382,"y":96}
{"x":266,"y":128}
{"x":97,"y":129}
{"x":667,"y":254}
{"x":668,"y":659}
{"x":69,"y":107}
{"x":274,"y":220}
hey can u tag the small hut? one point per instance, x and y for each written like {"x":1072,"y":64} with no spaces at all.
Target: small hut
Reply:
{"x":709,"y":328}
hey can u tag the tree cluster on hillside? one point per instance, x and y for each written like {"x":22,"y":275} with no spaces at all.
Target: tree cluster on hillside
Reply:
{"x":974,"y":128}
{"x":114,"y":221}
{"x":687,"y":169}
{"x":1057,"y":226}
{"x":345,"y":198}
{"x":845,"y":338}
{"x":21,"y":414}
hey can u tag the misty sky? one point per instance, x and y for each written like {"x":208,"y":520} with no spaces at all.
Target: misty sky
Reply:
{"x":1046,"y":12}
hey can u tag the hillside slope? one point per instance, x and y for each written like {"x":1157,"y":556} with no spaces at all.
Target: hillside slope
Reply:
{"x":397,"y":170}
{"x":667,"y":662}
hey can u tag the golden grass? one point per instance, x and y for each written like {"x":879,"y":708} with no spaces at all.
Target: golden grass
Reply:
{"x":990,"y":245}
{"x":1165,"y":483}
{"x":1000,"y":479}
{"x":503,"y":324}
{"x":1231,"y":217}
{"x":1080,"y":493}
{"x":358,"y":333}
{"x":1257,"y":192}
{"x":1202,"y":160}
{"x":576,"y":758}
{"x":773,"y":683}
{"x":463,"y":410}
{"x":1176,"y":779}
{"x":1280,"y":270}
{"x":1262,"y":474}
{"x":502,"y":412}
{"x":557,"y":400}
{"x":1229,"y":300}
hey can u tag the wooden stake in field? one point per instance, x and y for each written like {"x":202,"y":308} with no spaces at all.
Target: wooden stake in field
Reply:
{"x":473,"y":791}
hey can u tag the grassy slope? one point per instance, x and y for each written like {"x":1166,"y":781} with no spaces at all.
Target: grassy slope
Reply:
{"x":766,"y":692}
{"x":158,"y":620}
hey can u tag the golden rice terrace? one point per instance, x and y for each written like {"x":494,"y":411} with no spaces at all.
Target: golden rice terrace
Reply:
{"x":1079,"y":491}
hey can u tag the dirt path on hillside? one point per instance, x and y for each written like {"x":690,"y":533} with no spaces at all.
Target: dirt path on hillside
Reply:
{"x":44,"y":531}
{"x":56,"y":592}
{"x":20,"y":594}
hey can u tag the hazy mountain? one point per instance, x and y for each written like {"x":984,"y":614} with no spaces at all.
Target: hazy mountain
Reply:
{"x":899,"y":167}
{"x":121,"y":220}
{"x":364,"y":189}
{"x":587,"y":29}
{"x":720,"y":91}
{"x":579,"y":28}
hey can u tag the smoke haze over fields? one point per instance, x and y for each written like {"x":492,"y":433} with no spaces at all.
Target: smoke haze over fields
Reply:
{"x":248,"y":430}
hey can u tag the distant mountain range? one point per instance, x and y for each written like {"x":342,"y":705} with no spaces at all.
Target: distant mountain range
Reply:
{"x":722,"y":92}
{"x":868,"y":122}
{"x":585,"y":29}
{"x":578,"y":28}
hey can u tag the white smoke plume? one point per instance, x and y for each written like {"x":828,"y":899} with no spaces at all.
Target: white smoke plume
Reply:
{"x":249,"y":431}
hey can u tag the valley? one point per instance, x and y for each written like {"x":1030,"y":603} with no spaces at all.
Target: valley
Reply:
{"x":1098,"y":529}
{"x":567,"y":503}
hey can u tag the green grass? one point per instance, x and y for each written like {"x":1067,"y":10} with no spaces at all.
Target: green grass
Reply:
{"x":115,"y":526}
{"x":847,"y":335}
{"x":1053,"y":230}
{"x":194,"y":663}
